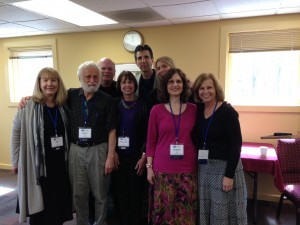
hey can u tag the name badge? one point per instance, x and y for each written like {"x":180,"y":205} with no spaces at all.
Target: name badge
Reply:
{"x":123,"y":142}
{"x":177,"y":151}
{"x":203,"y":156}
{"x":57,"y":142}
{"x":84,"y":133}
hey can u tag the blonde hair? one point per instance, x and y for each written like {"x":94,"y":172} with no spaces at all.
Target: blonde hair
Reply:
{"x":38,"y":95}
{"x":167,"y":60}
{"x":200,"y":79}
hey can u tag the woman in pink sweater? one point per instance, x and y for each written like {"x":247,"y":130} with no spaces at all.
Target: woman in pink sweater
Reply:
{"x":171,"y":154}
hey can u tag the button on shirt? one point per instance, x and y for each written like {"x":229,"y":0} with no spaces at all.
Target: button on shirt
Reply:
{"x":101,"y":114}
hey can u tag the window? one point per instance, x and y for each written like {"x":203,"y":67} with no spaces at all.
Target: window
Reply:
{"x":24,"y":61}
{"x":264,"y":68}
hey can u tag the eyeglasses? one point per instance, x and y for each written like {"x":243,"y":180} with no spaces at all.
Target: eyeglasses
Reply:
{"x":172,"y":82}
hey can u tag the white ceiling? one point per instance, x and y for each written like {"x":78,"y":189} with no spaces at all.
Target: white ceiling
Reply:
{"x":16,"y":22}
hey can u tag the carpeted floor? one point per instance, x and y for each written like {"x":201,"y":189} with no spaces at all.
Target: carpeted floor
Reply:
{"x":266,"y":210}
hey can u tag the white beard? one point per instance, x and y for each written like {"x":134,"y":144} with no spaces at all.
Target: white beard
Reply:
{"x":89,"y":88}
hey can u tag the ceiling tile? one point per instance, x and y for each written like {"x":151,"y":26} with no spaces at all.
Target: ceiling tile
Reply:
{"x":110,"y":5}
{"x":187,"y":10}
{"x":14,"y":14}
{"x":195,"y":19}
{"x":107,"y":27}
{"x":23,"y":34}
{"x":14,"y":28}
{"x":150,"y":23}
{"x":248,"y":14}
{"x":68,"y":30}
{"x":232,"y":6}
{"x":290,"y":3}
{"x":168,"y":2}
{"x":134,"y":15}
{"x":47,"y":24}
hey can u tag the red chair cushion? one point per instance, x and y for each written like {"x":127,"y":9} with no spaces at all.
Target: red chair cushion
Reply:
{"x":292,"y":192}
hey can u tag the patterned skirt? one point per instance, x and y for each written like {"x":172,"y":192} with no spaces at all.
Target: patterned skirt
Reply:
{"x":216,"y":206}
{"x":173,"y":199}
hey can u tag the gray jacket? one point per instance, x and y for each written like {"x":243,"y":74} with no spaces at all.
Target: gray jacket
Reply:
{"x":26,"y":141}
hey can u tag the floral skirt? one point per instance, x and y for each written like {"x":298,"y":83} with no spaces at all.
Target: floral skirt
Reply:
{"x":173,"y":199}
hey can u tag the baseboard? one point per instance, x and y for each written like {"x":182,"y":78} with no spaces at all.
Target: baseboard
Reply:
{"x":5,"y":166}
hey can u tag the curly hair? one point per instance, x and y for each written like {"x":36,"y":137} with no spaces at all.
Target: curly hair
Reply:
{"x":163,"y":93}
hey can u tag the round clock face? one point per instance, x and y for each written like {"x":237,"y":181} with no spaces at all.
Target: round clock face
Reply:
{"x":131,"y":40}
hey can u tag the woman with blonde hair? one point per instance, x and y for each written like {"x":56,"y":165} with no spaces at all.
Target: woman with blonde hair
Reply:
{"x":39,"y":150}
{"x":162,"y":65}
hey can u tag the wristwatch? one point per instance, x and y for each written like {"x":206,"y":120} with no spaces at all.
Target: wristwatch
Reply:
{"x":148,"y":165}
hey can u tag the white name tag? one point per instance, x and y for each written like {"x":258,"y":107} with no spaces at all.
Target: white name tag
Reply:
{"x":123,"y":142}
{"x":203,"y":156}
{"x":57,"y":142}
{"x":177,"y":151}
{"x":84,"y":133}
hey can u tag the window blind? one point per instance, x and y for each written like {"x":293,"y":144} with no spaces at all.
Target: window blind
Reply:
{"x":26,"y":53}
{"x":258,"y":41}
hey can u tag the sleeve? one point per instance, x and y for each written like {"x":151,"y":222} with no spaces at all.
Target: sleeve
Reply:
{"x":152,"y":134}
{"x":234,"y":135}
{"x":15,"y":139}
{"x":145,"y":119}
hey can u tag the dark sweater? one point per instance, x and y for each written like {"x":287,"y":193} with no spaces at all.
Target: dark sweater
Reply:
{"x":224,"y":139}
{"x":138,"y":129}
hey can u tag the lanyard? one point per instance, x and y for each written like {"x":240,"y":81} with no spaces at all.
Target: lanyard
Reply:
{"x":205,"y":133}
{"x":85,"y":110}
{"x":54,"y":120}
{"x":176,"y":128}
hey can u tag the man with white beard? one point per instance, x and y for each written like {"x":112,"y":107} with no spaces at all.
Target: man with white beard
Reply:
{"x":93,"y":135}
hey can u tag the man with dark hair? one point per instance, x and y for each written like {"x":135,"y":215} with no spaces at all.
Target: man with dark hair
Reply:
{"x":143,"y":55}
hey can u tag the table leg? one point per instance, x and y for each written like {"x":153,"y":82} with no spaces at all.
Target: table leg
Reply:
{"x":253,"y":175}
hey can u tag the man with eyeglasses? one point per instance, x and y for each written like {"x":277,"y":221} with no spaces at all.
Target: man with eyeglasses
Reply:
{"x":143,"y":55}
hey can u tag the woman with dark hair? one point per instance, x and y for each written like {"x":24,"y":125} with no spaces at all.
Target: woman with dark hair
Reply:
{"x":217,"y":135}
{"x":129,"y":179}
{"x":171,"y":155}
{"x":39,"y":152}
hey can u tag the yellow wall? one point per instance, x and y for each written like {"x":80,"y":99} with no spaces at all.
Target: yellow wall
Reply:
{"x":196,"y":48}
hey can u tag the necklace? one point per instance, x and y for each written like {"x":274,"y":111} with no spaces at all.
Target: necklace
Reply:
{"x":128,"y":106}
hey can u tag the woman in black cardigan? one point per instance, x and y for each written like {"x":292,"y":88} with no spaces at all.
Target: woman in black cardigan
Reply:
{"x":129,"y":179}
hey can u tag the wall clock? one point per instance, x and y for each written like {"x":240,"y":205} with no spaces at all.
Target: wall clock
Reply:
{"x":131,"y":40}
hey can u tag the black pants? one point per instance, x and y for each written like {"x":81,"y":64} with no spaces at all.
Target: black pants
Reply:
{"x":128,"y":189}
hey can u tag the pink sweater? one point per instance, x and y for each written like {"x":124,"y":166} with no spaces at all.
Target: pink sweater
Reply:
{"x":161,"y":133}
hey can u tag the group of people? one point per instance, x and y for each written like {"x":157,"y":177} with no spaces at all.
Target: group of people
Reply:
{"x":70,"y":147}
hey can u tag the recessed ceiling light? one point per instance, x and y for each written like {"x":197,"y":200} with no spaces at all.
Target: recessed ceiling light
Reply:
{"x":65,"y":10}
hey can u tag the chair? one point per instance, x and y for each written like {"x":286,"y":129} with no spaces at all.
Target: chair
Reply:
{"x":288,"y":153}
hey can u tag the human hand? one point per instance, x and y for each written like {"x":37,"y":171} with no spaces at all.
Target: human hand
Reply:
{"x":140,"y":165}
{"x":109,"y":164}
{"x":15,"y":170}
{"x":150,"y":175}
{"x":23,"y":102}
{"x":227,"y":184}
